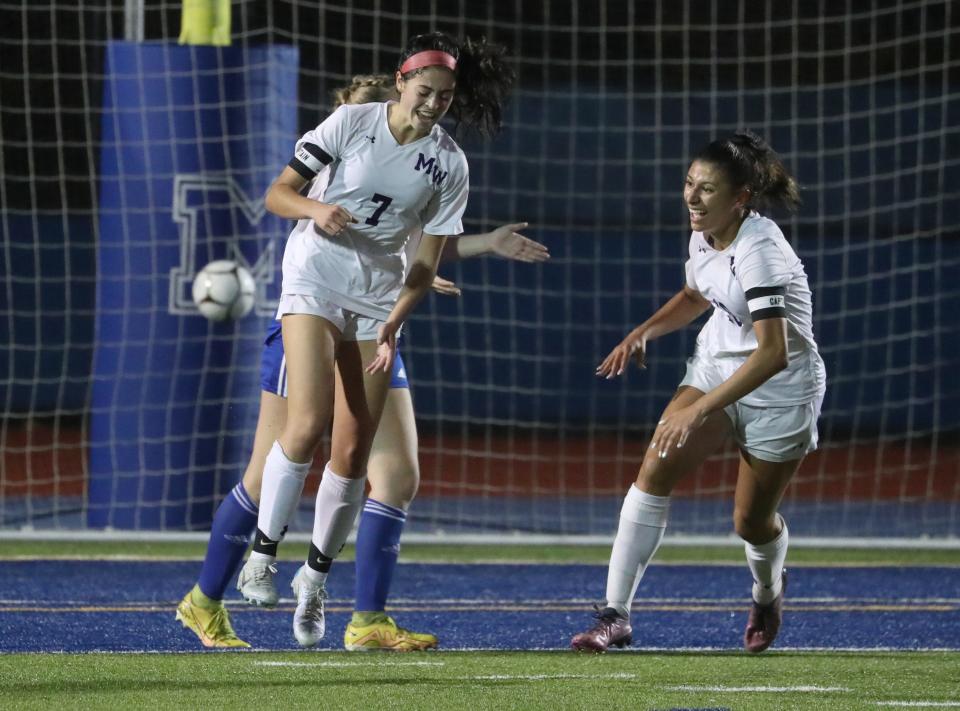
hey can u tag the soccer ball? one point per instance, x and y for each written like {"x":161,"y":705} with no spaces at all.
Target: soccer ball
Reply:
{"x":224,"y":290}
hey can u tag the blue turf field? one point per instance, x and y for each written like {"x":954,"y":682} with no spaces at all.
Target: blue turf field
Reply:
{"x":78,"y":606}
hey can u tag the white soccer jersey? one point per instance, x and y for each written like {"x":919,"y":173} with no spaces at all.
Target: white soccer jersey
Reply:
{"x":392,"y":190}
{"x":757,"y":276}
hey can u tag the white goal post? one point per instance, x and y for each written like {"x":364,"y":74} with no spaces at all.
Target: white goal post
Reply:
{"x":519,"y":442}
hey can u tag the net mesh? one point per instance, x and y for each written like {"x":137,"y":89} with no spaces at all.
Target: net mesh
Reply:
{"x":517,"y":434}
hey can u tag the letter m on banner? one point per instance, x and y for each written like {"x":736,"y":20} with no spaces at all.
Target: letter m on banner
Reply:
{"x":217,"y":219}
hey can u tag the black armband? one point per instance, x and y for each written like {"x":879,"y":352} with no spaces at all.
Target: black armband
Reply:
{"x":766,"y":302}
{"x":309,"y":160}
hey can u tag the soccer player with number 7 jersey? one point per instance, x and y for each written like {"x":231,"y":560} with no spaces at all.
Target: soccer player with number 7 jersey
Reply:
{"x":756,"y":377}
{"x":392,"y":470}
{"x":392,"y":170}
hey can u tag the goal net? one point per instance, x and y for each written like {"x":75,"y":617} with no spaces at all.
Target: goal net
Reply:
{"x":125,"y":166}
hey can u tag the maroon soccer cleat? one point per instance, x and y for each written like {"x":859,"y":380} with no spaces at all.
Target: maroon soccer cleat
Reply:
{"x":611,"y":630}
{"x":764,"y":622}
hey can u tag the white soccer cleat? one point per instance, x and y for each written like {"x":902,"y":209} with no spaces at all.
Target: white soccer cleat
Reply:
{"x":255,"y":583}
{"x":308,"y":621}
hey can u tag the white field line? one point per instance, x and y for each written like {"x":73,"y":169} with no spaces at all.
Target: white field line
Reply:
{"x":862,"y":649}
{"x":639,"y":605}
{"x":382,"y":663}
{"x":761,"y":689}
{"x":414,"y":559}
{"x":921,"y":704}
{"x":493,"y":539}
{"x":669,"y":600}
{"x":547,"y":677}
{"x":732,"y":648}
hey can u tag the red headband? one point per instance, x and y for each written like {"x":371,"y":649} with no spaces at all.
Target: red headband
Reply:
{"x":429,"y":58}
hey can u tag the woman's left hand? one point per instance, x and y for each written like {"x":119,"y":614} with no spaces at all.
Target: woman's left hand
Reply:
{"x":675,"y":428}
{"x":386,"y":349}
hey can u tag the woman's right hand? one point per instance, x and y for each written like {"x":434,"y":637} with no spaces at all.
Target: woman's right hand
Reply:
{"x":331,"y":218}
{"x":386,"y":348}
{"x":633,"y":346}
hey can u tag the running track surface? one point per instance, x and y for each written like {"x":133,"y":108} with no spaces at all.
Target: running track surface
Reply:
{"x":86,"y":606}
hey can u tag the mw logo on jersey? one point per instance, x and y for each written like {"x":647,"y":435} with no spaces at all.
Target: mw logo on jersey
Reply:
{"x":431,"y":167}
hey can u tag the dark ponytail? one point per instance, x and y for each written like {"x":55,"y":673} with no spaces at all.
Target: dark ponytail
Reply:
{"x":749,"y":162}
{"x":484,"y":79}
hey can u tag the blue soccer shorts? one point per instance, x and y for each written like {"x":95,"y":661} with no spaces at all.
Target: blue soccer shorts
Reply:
{"x":273,"y":365}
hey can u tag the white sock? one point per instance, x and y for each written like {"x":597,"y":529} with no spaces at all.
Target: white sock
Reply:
{"x":315,"y":576}
{"x":339,"y":500}
{"x":279,"y":495}
{"x":643,"y":519}
{"x":766,"y":564}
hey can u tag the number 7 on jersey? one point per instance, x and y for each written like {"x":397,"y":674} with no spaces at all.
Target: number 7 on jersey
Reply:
{"x":384,"y":201}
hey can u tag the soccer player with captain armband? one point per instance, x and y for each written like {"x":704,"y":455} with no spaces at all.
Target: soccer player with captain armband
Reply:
{"x":392,"y":469}
{"x":756,"y":377}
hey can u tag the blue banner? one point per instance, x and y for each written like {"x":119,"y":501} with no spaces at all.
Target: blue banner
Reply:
{"x":191,"y":139}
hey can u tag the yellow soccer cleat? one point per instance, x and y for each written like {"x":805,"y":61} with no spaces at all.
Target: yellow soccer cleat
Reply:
{"x":384,"y":635}
{"x":209,"y":621}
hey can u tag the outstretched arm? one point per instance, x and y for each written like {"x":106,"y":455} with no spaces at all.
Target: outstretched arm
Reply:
{"x":504,"y":241}
{"x":684,"y":307}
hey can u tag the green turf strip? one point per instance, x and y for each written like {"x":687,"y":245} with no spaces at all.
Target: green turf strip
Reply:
{"x":506,"y":553}
{"x":478,"y":680}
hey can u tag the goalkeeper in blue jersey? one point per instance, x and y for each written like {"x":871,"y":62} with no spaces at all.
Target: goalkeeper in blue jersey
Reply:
{"x":392,"y":469}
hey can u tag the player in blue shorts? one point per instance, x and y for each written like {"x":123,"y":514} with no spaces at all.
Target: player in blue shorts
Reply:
{"x":392,"y":469}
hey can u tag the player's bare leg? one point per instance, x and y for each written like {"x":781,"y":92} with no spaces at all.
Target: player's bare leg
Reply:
{"x":393,"y":469}
{"x":643,"y":519}
{"x":309,"y":345}
{"x":357,"y":408}
{"x":760,"y":488}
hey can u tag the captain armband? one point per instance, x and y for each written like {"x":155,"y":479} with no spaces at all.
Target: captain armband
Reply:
{"x":309,"y":160}
{"x":767,"y":302}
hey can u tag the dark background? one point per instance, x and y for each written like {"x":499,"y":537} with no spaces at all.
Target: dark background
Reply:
{"x":611,"y":101}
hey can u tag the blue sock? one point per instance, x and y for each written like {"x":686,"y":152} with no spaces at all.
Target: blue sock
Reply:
{"x":233,"y":523}
{"x":378,"y":545}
